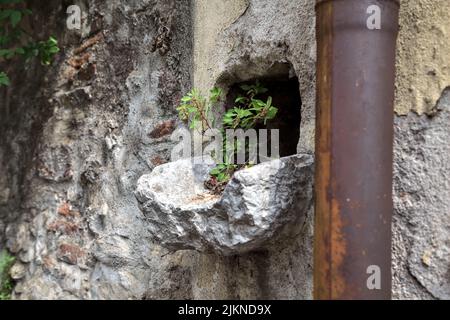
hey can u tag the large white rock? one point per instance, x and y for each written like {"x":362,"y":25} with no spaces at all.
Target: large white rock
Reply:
{"x":258,"y":205}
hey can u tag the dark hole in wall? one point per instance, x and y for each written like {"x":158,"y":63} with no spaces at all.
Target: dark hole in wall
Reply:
{"x":285,"y":93}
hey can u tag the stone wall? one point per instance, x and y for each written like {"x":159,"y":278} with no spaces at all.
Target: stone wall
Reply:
{"x":77,"y":136}
{"x":75,"y":139}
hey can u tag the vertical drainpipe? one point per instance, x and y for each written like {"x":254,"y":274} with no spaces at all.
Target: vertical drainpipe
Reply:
{"x":354,"y":148}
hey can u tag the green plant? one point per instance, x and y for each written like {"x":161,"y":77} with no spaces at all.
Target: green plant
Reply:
{"x":248,"y":112}
{"x":6,"y":284}
{"x":195,"y":110}
{"x":223,"y":172}
{"x":16,"y":41}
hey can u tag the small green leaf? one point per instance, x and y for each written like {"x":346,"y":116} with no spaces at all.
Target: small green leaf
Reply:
{"x":259,"y":103}
{"x":215,"y":94}
{"x":53,"y":50}
{"x":215,"y":171}
{"x":222,"y":177}
{"x":240,"y":100}
{"x":52,"y":41}
{"x":4,"y":80}
{"x":15,"y":17}
{"x":271,"y":113}
{"x":20,"y":51}
{"x":243,"y":113}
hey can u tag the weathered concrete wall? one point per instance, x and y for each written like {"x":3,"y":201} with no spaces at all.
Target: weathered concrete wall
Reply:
{"x":76,"y":137}
{"x":421,"y":248}
{"x":211,"y":18}
{"x":423,"y":55}
{"x":421,"y":226}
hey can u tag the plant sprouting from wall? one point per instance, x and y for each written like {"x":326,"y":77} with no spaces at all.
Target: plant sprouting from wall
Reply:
{"x":249,"y":111}
{"x":6,"y":284}
{"x":197,"y":110}
{"x":15,"y":41}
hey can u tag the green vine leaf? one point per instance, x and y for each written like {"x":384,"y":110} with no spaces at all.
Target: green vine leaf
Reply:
{"x":15,"y":41}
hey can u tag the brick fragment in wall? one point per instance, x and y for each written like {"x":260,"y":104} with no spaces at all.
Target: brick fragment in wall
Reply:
{"x":70,"y":253}
{"x":163,"y":129}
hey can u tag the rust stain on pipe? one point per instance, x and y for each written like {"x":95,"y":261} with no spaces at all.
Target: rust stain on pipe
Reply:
{"x":354,"y":142}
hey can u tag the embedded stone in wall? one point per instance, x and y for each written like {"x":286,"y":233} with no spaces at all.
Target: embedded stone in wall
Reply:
{"x":55,"y":164}
{"x":259,"y":204}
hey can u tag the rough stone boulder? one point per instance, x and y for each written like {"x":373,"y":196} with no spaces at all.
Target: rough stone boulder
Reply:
{"x":259,"y":204}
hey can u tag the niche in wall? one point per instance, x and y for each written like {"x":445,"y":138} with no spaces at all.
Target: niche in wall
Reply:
{"x":284,"y":90}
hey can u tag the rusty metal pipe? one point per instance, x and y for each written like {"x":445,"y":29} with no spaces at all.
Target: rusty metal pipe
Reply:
{"x":354,"y":148}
